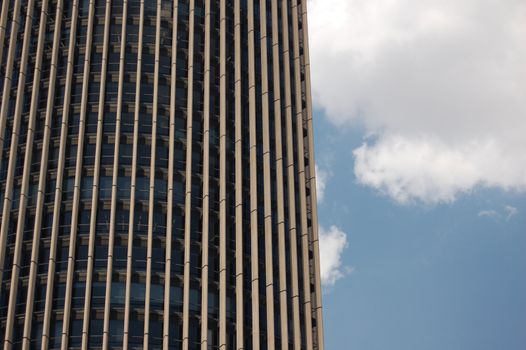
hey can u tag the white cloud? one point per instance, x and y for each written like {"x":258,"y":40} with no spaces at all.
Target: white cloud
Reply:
{"x":510,"y":212}
{"x":488,"y":213}
{"x":333,"y":242}
{"x":507,"y":213}
{"x":439,"y":84}
{"x":430,"y":170}
{"x":322,"y":177}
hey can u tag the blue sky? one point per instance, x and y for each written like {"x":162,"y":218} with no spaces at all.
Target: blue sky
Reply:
{"x":424,"y":277}
{"x":420,"y":119}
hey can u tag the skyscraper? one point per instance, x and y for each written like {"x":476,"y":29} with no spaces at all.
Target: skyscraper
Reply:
{"x":157,"y":176}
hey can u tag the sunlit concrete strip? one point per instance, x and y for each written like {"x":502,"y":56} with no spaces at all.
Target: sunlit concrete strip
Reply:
{"x":114,"y":181}
{"x":35,"y":244}
{"x":151,"y":201}
{"x":4,"y":108}
{"x":170,"y":188}
{"x":283,"y":293}
{"x":78,"y":177}
{"x":60,"y":177}
{"x":222,"y":177}
{"x":3,"y":26}
{"x":206,"y":183}
{"x":312,"y":182}
{"x":131,"y":221}
{"x":307,"y":307}
{"x":96,"y":180}
{"x":188,"y":175}
{"x":253,"y":165}
{"x":267,"y":188}
{"x":22,"y":203}
{"x":290,"y":178}
{"x":238,"y":177}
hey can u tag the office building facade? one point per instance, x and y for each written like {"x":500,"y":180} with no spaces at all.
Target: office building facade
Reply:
{"x":157,"y":176}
